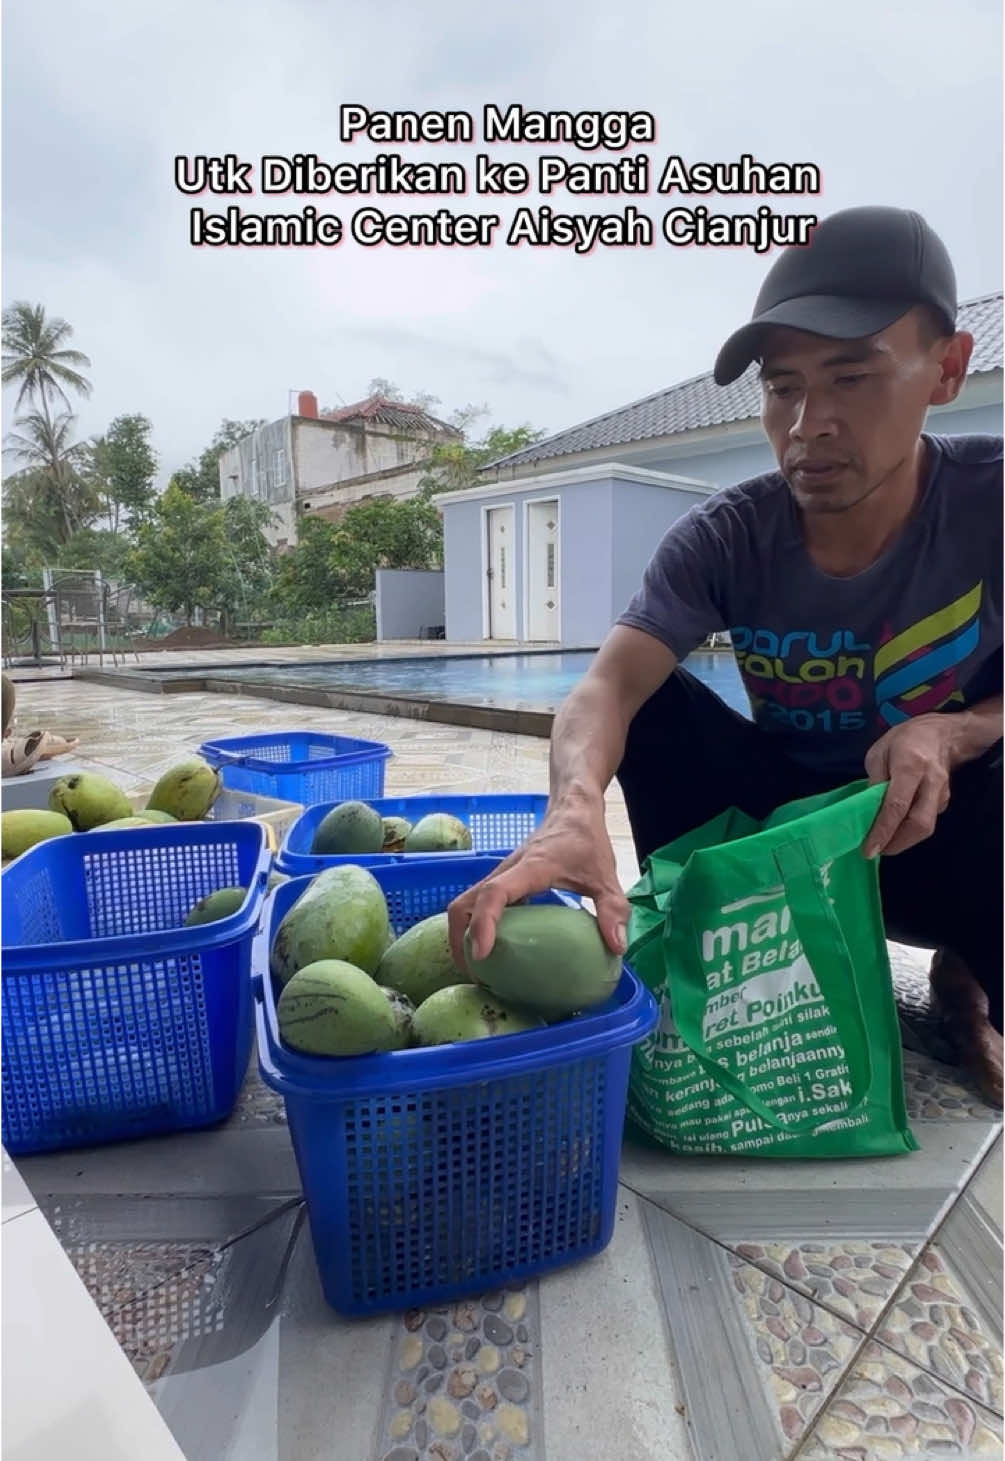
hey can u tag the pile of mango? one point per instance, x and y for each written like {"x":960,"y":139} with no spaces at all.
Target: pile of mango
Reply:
{"x":348,"y":987}
{"x":85,"y":801}
{"x":354,"y":828}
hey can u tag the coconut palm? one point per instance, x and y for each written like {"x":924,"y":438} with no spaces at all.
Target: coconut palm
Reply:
{"x":53,"y":495}
{"x":35,"y":353}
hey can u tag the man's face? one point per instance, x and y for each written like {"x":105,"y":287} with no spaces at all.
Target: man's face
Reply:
{"x":843,"y":415}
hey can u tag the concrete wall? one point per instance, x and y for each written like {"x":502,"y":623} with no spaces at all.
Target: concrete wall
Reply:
{"x":260,"y":467}
{"x":641,"y":516}
{"x":586,"y":524}
{"x":328,"y":452}
{"x":408,"y":601}
{"x":462,"y":559}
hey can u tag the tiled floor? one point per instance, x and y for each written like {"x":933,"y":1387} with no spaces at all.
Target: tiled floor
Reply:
{"x":743,"y":1311}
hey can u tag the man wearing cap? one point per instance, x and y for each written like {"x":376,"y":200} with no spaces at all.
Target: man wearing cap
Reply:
{"x":861,"y":585}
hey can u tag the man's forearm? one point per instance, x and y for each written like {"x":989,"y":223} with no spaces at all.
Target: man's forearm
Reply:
{"x":976,"y":729}
{"x":587,"y":745}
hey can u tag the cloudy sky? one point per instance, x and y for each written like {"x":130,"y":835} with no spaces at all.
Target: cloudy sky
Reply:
{"x":895,"y":103}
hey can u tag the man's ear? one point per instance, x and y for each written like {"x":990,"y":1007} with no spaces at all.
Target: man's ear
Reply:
{"x":956,"y":355}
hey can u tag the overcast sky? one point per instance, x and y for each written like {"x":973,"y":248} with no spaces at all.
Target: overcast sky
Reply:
{"x":896,"y":103}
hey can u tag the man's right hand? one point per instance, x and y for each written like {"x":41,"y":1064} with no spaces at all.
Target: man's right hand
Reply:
{"x":570,"y":850}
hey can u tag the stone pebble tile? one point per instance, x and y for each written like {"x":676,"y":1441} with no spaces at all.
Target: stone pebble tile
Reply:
{"x":463,"y":1382}
{"x":933,"y":1324}
{"x":887,"y":1409}
{"x":937,"y":1092}
{"x":801,"y":1350}
{"x":854,"y":1279}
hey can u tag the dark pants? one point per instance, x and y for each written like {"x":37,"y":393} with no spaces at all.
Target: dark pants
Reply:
{"x":689,"y":757}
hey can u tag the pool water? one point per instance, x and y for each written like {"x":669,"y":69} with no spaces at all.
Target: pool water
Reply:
{"x":516,"y":681}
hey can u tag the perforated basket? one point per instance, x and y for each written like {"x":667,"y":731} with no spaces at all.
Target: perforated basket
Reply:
{"x":118,"y":1021}
{"x":301,"y":766}
{"x":497,"y":824}
{"x":432,"y":1173}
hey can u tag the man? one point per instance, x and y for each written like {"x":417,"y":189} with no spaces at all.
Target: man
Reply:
{"x":861,"y":585}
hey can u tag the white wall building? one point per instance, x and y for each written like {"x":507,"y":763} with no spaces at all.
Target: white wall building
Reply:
{"x":321,"y":462}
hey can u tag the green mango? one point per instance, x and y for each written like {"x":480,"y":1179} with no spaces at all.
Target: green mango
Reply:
{"x":341,"y":916}
{"x":215,"y":906}
{"x":25,"y":827}
{"x":439,"y":832}
{"x":463,"y":1012}
{"x":89,"y":800}
{"x":420,"y":962}
{"x":351,"y":828}
{"x":548,"y":957}
{"x":331,"y":1007}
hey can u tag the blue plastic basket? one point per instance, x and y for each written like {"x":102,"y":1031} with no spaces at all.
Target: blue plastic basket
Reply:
{"x":118,"y":1021}
{"x":433,"y":1173}
{"x":497,"y":825}
{"x":301,"y":766}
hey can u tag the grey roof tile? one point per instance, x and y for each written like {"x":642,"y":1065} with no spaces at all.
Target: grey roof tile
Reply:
{"x":699,"y":402}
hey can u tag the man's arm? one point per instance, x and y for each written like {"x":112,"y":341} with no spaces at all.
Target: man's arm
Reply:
{"x":917,"y":758}
{"x":571,"y":849}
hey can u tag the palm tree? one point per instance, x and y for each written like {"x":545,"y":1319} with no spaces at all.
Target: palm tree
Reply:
{"x":53,"y":495}
{"x":35,"y":354}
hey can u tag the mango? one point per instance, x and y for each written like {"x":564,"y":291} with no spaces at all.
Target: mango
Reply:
{"x":439,"y":832}
{"x":342,"y":916}
{"x":396,"y":829}
{"x":214,"y":906}
{"x":88,"y":800}
{"x":330,"y":1007}
{"x":187,"y":791}
{"x":404,"y":1012}
{"x":420,"y":962}
{"x":549,"y":958}
{"x":350,"y":828}
{"x":463,"y":1012}
{"x":122,"y":822}
{"x":24,"y":828}
{"x":149,"y":816}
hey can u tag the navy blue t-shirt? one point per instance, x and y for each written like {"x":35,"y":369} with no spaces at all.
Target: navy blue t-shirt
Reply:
{"x":830,"y":664}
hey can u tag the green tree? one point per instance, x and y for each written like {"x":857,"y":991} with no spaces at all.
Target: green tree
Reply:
{"x":178,"y":553}
{"x":200,"y":480}
{"x":385,"y":533}
{"x":53,"y":495}
{"x":204,"y":555}
{"x":454,"y":465}
{"x":99,"y":548}
{"x":125,"y":465}
{"x":335,"y":561}
{"x":305,"y":574}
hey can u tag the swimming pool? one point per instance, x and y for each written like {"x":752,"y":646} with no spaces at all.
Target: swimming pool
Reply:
{"x":536,"y":682}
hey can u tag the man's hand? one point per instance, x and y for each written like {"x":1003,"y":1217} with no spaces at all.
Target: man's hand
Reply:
{"x":570,"y":850}
{"x":916,"y":758}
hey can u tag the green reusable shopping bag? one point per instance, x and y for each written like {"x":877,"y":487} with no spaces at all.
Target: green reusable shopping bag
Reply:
{"x":764,"y":944}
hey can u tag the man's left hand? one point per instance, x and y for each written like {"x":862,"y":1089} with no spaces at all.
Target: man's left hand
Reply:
{"x":916,"y":758}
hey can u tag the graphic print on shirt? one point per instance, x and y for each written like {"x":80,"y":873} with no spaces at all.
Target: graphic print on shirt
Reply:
{"x":916,"y":670}
{"x":835,"y":682}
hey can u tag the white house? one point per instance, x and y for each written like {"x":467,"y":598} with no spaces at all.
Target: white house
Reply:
{"x":321,"y":462}
{"x":552,"y":545}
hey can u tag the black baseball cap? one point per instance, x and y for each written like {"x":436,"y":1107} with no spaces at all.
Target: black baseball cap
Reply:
{"x":862,"y":269}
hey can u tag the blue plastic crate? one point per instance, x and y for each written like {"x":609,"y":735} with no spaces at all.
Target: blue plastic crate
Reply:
{"x":118,"y":1021}
{"x":433,"y":1173}
{"x":498,"y":824}
{"x":301,"y":766}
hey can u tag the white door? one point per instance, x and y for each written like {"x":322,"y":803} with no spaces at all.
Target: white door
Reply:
{"x":502,"y":563}
{"x":542,"y":570}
